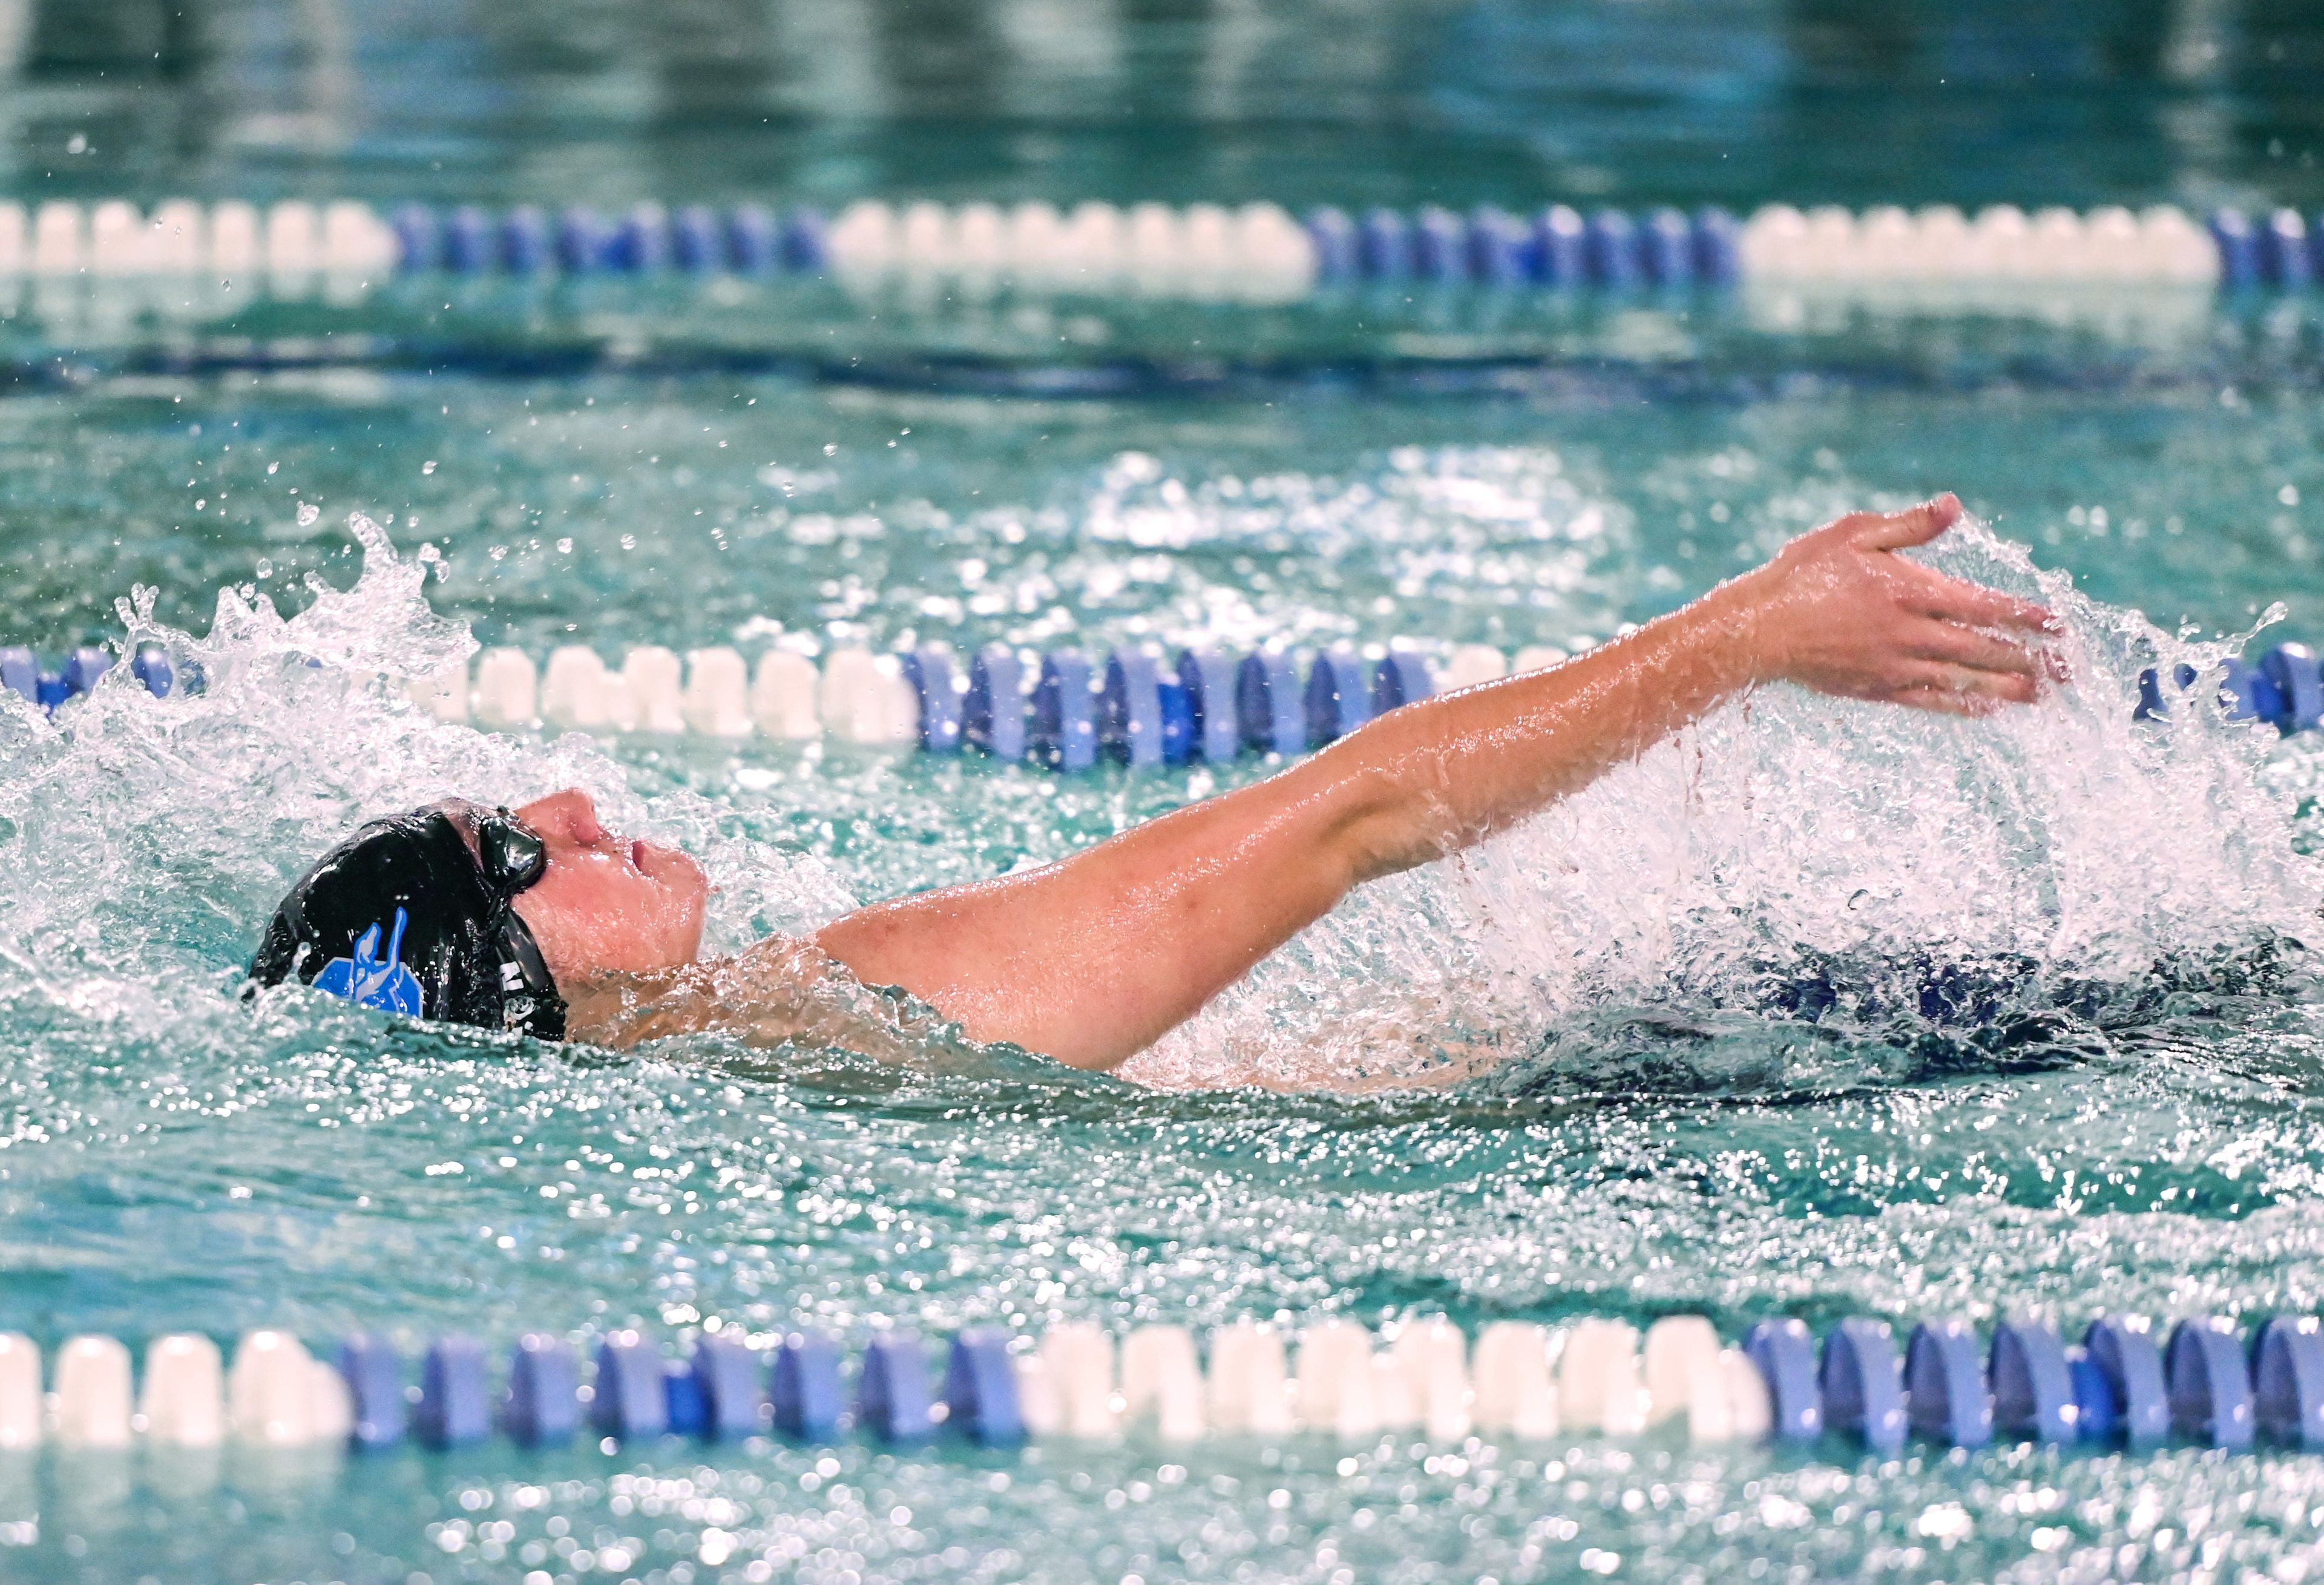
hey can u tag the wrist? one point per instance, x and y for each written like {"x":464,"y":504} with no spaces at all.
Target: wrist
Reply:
{"x":1737,"y":614}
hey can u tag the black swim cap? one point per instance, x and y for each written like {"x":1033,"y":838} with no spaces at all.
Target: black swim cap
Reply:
{"x":404,"y":915}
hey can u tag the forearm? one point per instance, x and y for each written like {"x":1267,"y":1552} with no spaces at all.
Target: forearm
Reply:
{"x":1435,"y":776}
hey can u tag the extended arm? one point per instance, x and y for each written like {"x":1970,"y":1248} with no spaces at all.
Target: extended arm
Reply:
{"x":1093,"y":957}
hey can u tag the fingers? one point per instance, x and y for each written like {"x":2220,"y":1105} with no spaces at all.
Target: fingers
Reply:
{"x":1924,"y":681}
{"x":1931,"y":594}
{"x":1966,"y":647}
{"x":1945,"y":701}
{"x":1915,"y":525}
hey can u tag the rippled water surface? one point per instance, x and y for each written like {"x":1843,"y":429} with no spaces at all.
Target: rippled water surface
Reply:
{"x":1826,"y":1010}
{"x":1821,"y":1010}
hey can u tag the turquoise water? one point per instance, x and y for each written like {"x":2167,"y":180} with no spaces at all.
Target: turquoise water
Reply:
{"x":1827,"y":1010}
{"x":1659,"y":1126}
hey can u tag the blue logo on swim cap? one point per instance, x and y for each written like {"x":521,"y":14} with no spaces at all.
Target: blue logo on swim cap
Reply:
{"x":369,"y":980}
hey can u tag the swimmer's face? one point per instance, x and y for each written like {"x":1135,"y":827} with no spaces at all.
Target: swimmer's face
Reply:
{"x":607,"y":904}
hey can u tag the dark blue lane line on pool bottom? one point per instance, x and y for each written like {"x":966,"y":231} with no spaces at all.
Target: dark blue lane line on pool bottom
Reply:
{"x":1736,"y":376}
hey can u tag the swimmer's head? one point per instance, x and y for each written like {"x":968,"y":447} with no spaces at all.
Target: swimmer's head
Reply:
{"x":475,"y":915}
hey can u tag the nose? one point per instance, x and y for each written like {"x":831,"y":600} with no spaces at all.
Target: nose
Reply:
{"x":570,"y":815}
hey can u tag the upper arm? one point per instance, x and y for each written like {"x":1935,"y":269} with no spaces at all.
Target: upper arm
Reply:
{"x":1091,"y":959}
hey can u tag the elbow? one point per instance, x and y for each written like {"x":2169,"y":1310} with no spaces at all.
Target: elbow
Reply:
{"x":1388,"y":818}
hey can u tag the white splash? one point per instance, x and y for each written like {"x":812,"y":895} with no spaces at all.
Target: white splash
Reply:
{"x":142,"y":839}
{"x":1791,"y":830}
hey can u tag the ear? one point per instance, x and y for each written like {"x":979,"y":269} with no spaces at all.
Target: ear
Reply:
{"x":367,"y":945}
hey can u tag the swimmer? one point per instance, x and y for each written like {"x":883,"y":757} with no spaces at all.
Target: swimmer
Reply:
{"x":540,"y":919}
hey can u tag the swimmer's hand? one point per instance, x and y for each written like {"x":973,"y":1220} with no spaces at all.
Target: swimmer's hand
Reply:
{"x":1838,"y":611}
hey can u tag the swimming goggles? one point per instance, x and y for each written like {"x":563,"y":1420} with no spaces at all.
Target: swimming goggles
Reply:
{"x":510,"y":854}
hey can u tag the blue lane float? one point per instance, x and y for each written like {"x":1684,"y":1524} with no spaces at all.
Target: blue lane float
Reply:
{"x":2288,"y":1381}
{"x":943,"y":706}
{"x":2238,"y":245}
{"x":1337,"y":700}
{"x":1609,"y":250}
{"x":1383,"y":246}
{"x":808,"y":1400}
{"x":2208,"y":1383}
{"x":1062,"y":731}
{"x":892,"y":1401}
{"x":1560,"y":247}
{"x":992,"y":713}
{"x":1400,"y":678}
{"x":1132,"y":724}
{"x":684,"y":1410}
{"x":981,"y":1399}
{"x":454,"y":1407}
{"x":1207,"y":677}
{"x":1863,"y":1384}
{"x":544,"y":1393}
{"x":21,"y":673}
{"x":2287,"y":252}
{"x":1439,"y":244}
{"x":2292,"y":668}
{"x":2122,"y":1368}
{"x":1337,"y":243}
{"x":2284,"y":688}
{"x":1945,"y":1388}
{"x":1784,"y":1351}
{"x":1666,"y":249}
{"x":2032,"y":1382}
{"x":630,"y":1400}
{"x":374,"y":1372}
{"x":1269,"y":707}
{"x":1499,"y":243}
{"x":727,"y":1376}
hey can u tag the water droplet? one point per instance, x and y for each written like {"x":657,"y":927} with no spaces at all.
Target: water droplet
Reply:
{"x":308,"y":512}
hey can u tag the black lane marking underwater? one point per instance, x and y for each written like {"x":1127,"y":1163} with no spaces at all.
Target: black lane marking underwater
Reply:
{"x":1593,"y":382}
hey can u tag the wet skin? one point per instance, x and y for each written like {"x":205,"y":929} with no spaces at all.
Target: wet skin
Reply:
{"x":1204,"y":893}
{"x":607,"y":903}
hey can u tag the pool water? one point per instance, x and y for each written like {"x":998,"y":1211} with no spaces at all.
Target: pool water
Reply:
{"x":1658,"y":1123}
{"x":1822,"y":1010}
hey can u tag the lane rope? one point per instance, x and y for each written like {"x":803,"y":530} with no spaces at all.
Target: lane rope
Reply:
{"x":2124,"y":1382}
{"x":1065,"y":708}
{"x":1255,"y":251}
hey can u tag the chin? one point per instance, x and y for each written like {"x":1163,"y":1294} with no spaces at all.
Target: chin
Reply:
{"x":687,"y":888}
{"x":673,"y":867}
